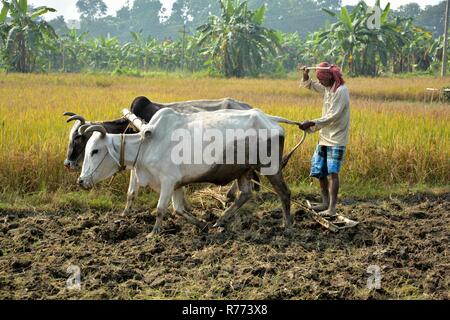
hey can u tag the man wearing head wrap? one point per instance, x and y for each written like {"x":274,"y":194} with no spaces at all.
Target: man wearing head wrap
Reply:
{"x":334,"y":132}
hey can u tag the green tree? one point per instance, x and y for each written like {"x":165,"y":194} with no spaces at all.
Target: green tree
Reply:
{"x":191,"y":13}
{"x":300,"y":16}
{"x":59,"y":25}
{"x":432,"y":18}
{"x":410,"y":10}
{"x":25,"y":32}
{"x":237,"y":42}
{"x":91,"y":9}
{"x":146,"y":16}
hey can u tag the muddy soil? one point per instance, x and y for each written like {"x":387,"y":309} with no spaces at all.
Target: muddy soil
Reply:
{"x":405,"y":240}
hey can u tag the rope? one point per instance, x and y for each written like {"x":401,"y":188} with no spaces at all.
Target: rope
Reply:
{"x":122,"y":166}
{"x":114,"y":176}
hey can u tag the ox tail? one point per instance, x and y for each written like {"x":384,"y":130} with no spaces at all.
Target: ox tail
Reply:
{"x":283,"y":120}
{"x":288,"y":157}
{"x":256,"y":186}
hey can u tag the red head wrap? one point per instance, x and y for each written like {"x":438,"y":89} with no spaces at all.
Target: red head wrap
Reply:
{"x":333,"y":74}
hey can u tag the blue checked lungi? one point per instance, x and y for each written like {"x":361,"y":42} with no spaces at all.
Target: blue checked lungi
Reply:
{"x":326,"y":161}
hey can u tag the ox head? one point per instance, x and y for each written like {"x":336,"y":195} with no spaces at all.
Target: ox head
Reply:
{"x":77,"y":142}
{"x":98,"y":164}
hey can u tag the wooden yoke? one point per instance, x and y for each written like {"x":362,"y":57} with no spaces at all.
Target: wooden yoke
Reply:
{"x":136,"y":122}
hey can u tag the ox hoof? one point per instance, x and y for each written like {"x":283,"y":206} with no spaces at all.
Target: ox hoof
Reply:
{"x":219,"y":224}
{"x":219,"y":227}
{"x":156,"y":230}
{"x":203,"y":226}
{"x":286,"y":224}
{"x":218,"y":230}
{"x":230,"y":200}
{"x":152,"y":235}
{"x":125,"y":213}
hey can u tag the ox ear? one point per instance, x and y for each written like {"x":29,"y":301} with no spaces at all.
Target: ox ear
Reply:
{"x":147,"y":132}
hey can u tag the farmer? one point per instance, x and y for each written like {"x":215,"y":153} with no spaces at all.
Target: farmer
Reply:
{"x":334,"y":132}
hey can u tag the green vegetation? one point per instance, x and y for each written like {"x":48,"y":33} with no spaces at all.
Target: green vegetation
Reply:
{"x":23,"y":34}
{"x":398,"y":143}
{"x":235,"y":41}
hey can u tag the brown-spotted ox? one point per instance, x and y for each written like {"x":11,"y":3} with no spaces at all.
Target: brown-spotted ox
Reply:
{"x":151,"y":155}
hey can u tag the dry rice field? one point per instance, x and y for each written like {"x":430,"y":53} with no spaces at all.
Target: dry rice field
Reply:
{"x":398,"y":142}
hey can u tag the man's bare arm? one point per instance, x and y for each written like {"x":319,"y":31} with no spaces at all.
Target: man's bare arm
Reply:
{"x":308,"y":83}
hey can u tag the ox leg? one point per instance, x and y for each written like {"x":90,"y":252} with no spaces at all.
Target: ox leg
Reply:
{"x":284,"y":193}
{"x":231,"y":194}
{"x":186,"y":203}
{"x":179,"y":200}
{"x":245,"y":186}
{"x":163,"y":203}
{"x":133,"y":190}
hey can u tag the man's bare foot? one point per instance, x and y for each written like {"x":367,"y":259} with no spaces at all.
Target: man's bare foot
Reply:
{"x":318,"y":207}
{"x":328,"y":213}
{"x":125,"y":213}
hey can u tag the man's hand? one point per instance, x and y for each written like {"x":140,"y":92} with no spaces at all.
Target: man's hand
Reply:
{"x":306,"y":125}
{"x":305,"y":72}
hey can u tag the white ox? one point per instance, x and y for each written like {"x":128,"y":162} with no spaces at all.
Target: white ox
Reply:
{"x":150,"y":155}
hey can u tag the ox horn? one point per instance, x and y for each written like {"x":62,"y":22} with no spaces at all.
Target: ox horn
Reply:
{"x":69,"y":114}
{"x":77,"y":117}
{"x":96,"y":128}
{"x":82,"y":129}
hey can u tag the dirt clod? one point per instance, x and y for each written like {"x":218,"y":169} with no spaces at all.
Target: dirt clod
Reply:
{"x":406,"y":240}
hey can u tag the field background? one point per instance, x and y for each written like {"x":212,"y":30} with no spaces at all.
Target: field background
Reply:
{"x":395,"y":183}
{"x":398,"y":141}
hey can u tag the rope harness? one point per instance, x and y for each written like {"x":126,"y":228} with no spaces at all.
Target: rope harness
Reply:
{"x":122,"y":166}
{"x":101,"y":162}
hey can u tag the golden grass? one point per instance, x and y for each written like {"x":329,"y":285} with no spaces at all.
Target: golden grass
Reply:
{"x":395,"y":137}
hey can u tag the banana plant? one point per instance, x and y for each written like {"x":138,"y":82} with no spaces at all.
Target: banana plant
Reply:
{"x":141,"y":50}
{"x":104,"y":53}
{"x":25,"y":33}
{"x":72,"y":49}
{"x":359,"y":49}
{"x":237,"y":42}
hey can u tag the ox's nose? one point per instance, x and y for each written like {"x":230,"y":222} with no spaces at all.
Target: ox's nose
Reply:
{"x":85,"y":183}
{"x":67,"y":164}
{"x":71,"y":166}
